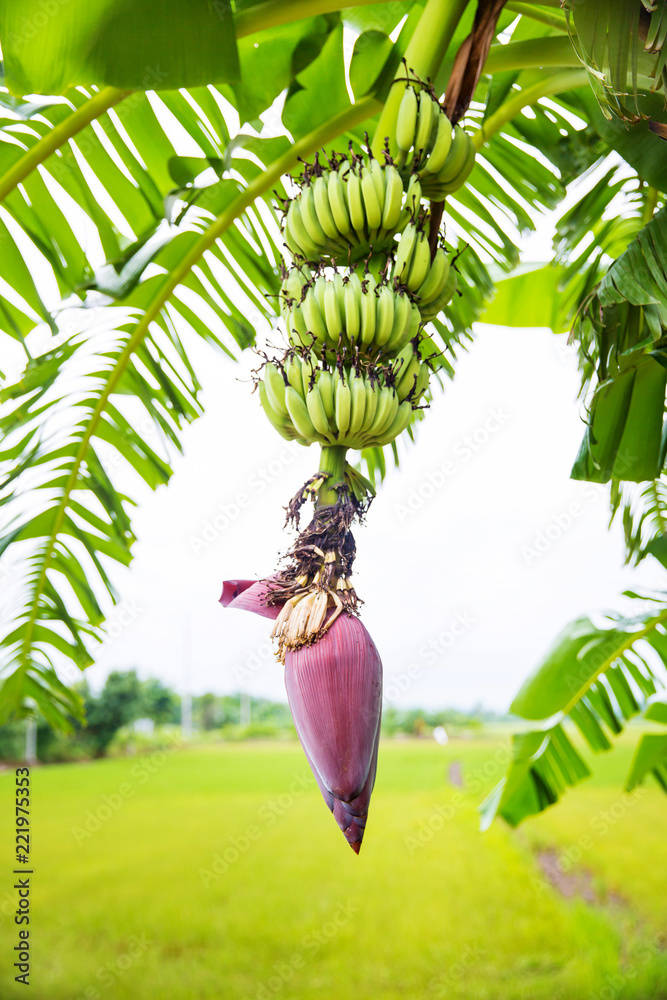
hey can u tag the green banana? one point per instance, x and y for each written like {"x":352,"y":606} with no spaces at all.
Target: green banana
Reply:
{"x":406,"y":120}
{"x":323,"y":208}
{"x":407,"y":375}
{"x":317,"y":413}
{"x":307,"y":369}
{"x":293,"y":373}
{"x":379,"y":175}
{"x":372,"y":204}
{"x":372,"y":396}
{"x":415,"y":320}
{"x":391,"y":211}
{"x":343,"y":407}
{"x":455,"y":158}
{"x":309,"y":217}
{"x":462,"y":176}
{"x":386,"y":411}
{"x":292,"y":287}
{"x":326,"y":386}
{"x":401,"y":362}
{"x":312,"y":314}
{"x":406,"y":247}
{"x":293,"y":230}
{"x":368,"y":303}
{"x":431,"y":309}
{"x":425,"y":122}
{"x":332,"y":313}
{"x":413,"y":197}
{"x":278,"y":419}
{"x":357,"y":406}
{"x":297,"y":330}
{"x":398,"y":425}
{"x":385,"y":316}
{"x":352,"y":302}
{"x":402,"y":325}
{"x":355,"y":203}
{"x":275,"y":387}
{"x":298,"y":413}
{"x":338,"y":203}
{"x":419,"y":263}
{"x":441,"y":145}
{"x":434,"y":281}
{"x":421,"y":384}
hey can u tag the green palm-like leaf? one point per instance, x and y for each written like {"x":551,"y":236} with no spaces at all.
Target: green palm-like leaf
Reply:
{"x":651,"y":753}
{"x":622,"y":45}
{"x":592,"y":681}
{"x":626,"y":320}
{"x":47,"y":50}
{"x":643,"y":512}
{"x":150,"y":218}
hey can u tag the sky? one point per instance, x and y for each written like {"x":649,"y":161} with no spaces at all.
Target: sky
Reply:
{"x":476,"y":552}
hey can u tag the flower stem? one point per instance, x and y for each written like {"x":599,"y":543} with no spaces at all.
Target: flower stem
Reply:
{"x":332,"y":464}
{"x":424,"y":54}
{"x":529,"y":95}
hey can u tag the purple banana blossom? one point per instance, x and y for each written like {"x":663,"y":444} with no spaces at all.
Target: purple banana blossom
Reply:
{"x":334,"y":689}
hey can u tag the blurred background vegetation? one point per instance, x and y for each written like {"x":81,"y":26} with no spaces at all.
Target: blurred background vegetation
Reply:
{"x":129,"y":715}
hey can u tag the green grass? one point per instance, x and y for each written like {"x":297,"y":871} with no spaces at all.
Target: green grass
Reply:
{"x":218,"y":873}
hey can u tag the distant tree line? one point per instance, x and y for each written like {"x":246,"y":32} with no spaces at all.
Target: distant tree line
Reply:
{"x":112,"y":714}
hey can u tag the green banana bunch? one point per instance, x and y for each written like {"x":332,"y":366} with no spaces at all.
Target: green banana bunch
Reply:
{"x":342,"y":212}
{"x":324,"y":405}
{"x":350,"y":310}
{"x":440,"y":156}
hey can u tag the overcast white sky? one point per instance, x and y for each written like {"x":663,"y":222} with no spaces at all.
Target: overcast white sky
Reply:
{"x":476,"y":552}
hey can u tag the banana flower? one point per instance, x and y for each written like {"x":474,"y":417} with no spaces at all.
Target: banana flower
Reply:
{"x":334,"y":689}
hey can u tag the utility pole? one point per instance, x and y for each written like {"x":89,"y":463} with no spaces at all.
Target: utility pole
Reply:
{"x":186,"y":697}
{"x":30,"y":754}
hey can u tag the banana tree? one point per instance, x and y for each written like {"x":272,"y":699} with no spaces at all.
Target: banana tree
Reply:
{"x":148,"y":202}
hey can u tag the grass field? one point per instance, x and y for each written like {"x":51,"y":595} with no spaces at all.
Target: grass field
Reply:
{"x":218,"y":873}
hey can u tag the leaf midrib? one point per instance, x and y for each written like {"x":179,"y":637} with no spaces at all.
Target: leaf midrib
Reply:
{"x":305,"y":146}
{"x":618,"y":652}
